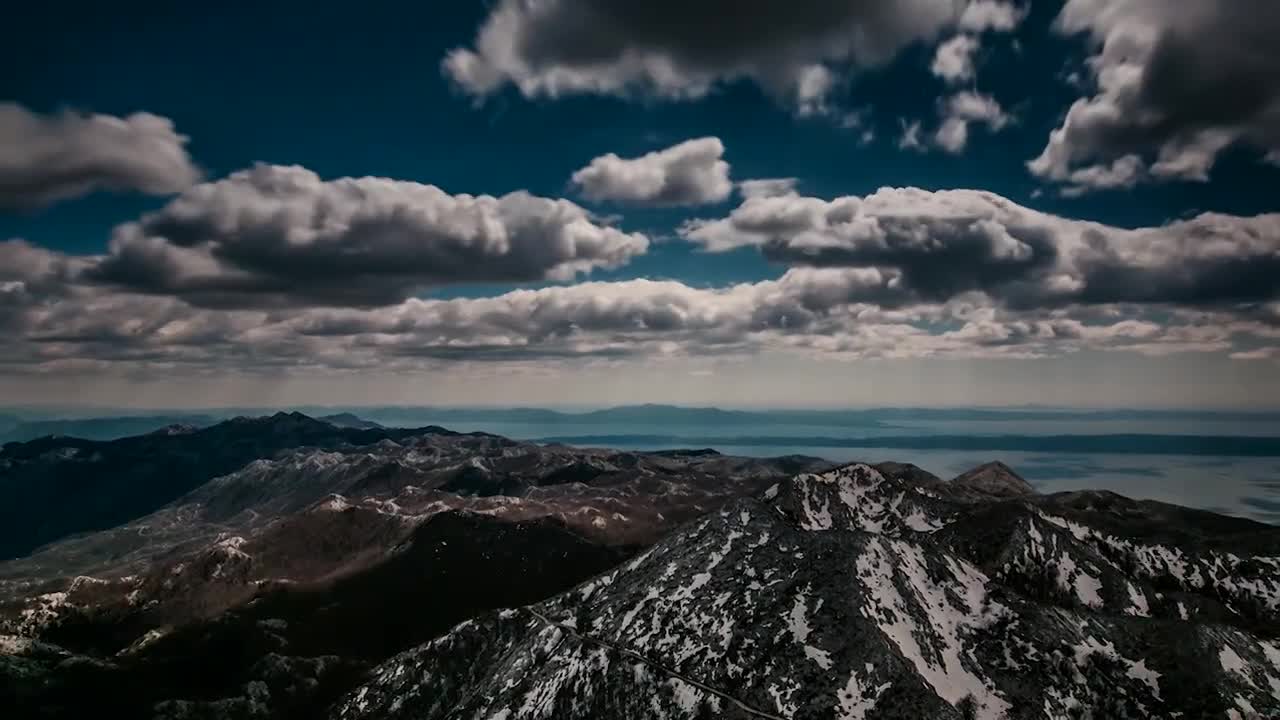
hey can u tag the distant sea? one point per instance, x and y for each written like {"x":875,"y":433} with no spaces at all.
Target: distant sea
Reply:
{"x":1226,"y":462}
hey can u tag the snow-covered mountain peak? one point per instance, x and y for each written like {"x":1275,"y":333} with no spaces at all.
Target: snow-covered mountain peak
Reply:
{"x":859,"y":497}
{"x":863,"y":593}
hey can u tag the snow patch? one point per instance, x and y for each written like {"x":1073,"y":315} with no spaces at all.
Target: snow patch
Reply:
{"x":945,"y":627}
{"x":798,"y":624}
{"x":1139,"y":599}
{"x":1232,"y":662}
{"x":856,"y":700}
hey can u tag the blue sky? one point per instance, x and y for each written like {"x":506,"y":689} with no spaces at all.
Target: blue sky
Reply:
{"x":361,"y":92}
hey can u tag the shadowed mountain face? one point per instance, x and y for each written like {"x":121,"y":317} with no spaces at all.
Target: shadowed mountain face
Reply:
{"x":265,"y":506}
{"x":272,"y":588}
{"x":293,"y":647}
{"x":56,"y":486}
{"x":865,"y":594}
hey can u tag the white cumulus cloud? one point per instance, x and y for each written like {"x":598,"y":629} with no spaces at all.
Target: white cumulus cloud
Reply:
{"x":690,"y":173}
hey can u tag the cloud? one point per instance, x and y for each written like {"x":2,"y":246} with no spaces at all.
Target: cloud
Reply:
{"x":33,"y":266}
{"x":1262,"y":353}
{"x":690,"y":173}
{"x":592,"y":319}
{"x":962,"y":109}
{"x":1123,"y":172}
{"x":31,"y":276}
{"x":273,"y":269}
{"x":820,"y":312}
{"x":278,"y":236}
{"x":47,"y":158}
{"x":767,"y":187}
{"x":992,"y":15}
{"x":910,"y":137}
{"x":943,"y":244}
{"x":1176,"y":84}
{"x":682,"y":50}
{"x":633,"y":309}
{"x":953,"y":60}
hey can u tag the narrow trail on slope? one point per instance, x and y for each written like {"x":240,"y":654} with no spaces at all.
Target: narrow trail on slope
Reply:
{"x":628,"y":652}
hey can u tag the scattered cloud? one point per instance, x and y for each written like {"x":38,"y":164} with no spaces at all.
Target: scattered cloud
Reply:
{"x":1262,"y":353}
{"x":961,"y":110}
{"x":683,"y":50}
{"x":767,"y":187}
{"x":1175,"y":85}
{"x":910,"y":137}
{"x":820,"y":312}
{"x":47,"y":158}
{"x":1123,"y":172}
{"x":996,"y":15}
{"x":278,"y":236}
{"x":953,"y":60}
{"x":690,"y":173}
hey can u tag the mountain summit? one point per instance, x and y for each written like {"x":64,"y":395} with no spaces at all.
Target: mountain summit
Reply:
{"x":996,"y":480}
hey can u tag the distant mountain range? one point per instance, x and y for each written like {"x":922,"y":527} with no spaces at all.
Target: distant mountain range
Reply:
{"x":114,"y":428}
{"x":20,"y":426}
{"x":1119,"y":444}
{"x":103,"y":428}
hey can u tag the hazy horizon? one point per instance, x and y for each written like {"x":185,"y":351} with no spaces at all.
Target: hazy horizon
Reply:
{"x":105,"y":410}
{"x":1224,"y":460}
{"x":764,"y":381}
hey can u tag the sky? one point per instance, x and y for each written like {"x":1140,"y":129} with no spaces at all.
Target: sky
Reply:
{"x":600,"y":202}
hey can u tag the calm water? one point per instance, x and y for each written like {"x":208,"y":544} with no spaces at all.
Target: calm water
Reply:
{"x":1248,"y":487}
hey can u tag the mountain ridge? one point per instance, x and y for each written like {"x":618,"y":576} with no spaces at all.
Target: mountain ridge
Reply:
{"x":98,"y":484}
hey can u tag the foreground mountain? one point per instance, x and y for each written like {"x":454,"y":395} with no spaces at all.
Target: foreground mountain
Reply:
{"x":884,"y":593}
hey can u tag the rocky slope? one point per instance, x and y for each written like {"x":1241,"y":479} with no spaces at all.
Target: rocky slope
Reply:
{"x":292,"y":648}
{"x":315,"y":512}
{"x":859,"y":593}
{"x":270,"y":589}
